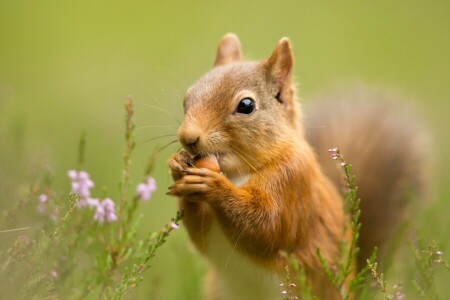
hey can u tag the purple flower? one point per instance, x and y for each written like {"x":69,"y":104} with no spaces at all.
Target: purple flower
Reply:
{"x":145,"y":189}
{"x":72,"y":174}
{"x":43,"y":198}
{"x":99,"y":215}
{"x":92,"y":202}
{"x":109,"y":206}
{"x":81,"y":185}
{"x":43,"y":203}
{"x":105,"y":210}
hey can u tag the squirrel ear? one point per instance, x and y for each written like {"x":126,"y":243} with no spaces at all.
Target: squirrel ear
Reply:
{"x":229,"y":50}
{"x":281,"y":62}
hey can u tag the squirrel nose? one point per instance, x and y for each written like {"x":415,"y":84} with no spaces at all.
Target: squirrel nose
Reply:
{"x":189,"y":137}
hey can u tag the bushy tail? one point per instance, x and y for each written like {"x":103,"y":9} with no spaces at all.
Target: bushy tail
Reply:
{"x":387,"y":148}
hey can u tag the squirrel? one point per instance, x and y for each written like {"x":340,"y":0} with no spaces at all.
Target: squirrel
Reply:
{"x":276,"y":192}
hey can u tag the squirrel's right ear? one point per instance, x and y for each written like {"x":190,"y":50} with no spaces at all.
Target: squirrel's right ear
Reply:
{"x":229,"y":50}
{"x":281,"y":62}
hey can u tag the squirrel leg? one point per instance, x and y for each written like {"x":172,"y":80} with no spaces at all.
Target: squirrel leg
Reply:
{"x":197,"y":215}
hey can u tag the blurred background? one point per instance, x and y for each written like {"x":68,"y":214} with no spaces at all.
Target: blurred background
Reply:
{"x":67,"y":67}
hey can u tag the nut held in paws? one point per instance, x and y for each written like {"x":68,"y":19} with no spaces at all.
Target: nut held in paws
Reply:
{"x":208,"y":162}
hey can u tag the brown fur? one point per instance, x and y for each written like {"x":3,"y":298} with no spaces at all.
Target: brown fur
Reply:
{"x":286,"y":203}
{"x":380,"y":136}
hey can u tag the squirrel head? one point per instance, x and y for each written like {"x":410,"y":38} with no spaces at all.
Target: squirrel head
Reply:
{"x":242,"y":111}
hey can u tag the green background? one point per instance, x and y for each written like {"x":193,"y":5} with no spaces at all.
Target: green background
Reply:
{"x":67,"y":66}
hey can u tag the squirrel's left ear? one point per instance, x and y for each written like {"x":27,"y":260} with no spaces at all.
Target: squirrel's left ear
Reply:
{"x":229,"y":50}
{"x":281,"y":62}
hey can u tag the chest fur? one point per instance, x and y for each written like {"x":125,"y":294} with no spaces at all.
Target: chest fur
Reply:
{"x":238,"y":277}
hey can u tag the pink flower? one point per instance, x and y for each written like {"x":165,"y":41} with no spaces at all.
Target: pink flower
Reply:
{"x":72,"y":174}
{"x":145,"y":189}
{"x":92,"y":202}
{"x":99,"y":215}
{"x":54,"y":274}
{"x":42,"y":205}
{"x":105,"y":210}
{"x":43,"y":198}
{"x":81,"y":185}
{"x":109,"y":206}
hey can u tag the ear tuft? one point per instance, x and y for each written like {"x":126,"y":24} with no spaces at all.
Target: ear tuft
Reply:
{"x":228,"y":50}
{"x":281,"y":62}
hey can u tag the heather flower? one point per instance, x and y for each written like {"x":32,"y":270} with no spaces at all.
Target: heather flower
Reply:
{"x":92,"y":202}
{"x":42,"y":205}
{"x":174,"y":225}
{"x":110,"y":211}
{"x":105,"y":211}
{"x":43,"y":198}
{"x":81,"y":185}
{"x":99,"y":215}
{"x":398,"y":295}
{"x":145,"y":189}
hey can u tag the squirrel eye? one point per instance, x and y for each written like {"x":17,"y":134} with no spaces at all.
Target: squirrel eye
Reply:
{"x":246,"y":106}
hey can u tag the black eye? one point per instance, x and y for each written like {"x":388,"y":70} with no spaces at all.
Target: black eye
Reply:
{"x":246,"y":106}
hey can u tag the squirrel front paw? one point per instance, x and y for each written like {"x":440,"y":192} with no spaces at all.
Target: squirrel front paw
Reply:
{"x":179,"y":163}
{"x":201,"y":184}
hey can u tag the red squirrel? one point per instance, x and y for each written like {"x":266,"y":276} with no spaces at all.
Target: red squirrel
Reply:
{"x":268,"y":193}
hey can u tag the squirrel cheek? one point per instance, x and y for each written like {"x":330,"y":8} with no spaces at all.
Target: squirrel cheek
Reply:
{"x":208,"y":162}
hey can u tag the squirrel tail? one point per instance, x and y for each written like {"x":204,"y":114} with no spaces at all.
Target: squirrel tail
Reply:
{"x":387,"y":148}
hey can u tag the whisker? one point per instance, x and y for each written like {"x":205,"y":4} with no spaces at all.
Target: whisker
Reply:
{"x":234,"y":249}
{"x":164,"y":111}
{"x":250,"y":165}
{"x":170,"y":72}
{"x":236,"y":150}
{"x":247,"y":155}
{"x":174,"y":92}
{"x":165,"y":146}
{"x":237,"y":166}
{"x":156,"y":126}
{"x":201,"y":230}
{"x":157,"y":137}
